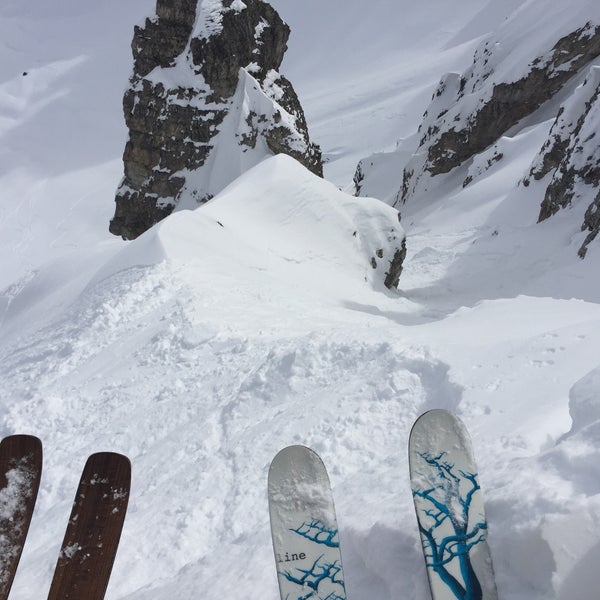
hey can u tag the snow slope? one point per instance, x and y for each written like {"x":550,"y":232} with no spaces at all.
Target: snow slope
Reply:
{"x":224,"y":334}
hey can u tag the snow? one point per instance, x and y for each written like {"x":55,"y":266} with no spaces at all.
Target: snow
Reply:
{"x":19,"y":484}
{"x":228,"y":332}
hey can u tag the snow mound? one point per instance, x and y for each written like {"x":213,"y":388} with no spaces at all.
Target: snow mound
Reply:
{"x":584,"y":404}
{"x":281,"y":219}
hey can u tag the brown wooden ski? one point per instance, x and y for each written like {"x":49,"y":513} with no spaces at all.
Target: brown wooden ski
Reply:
{"x":92,"y":537}
{"x":20,"y":473}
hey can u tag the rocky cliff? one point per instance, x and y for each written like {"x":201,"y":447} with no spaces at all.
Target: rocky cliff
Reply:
{"x":570,"y":157}
{"x":536,"y":77}
{"x":470,"y":112}
{"x":205,"y":103}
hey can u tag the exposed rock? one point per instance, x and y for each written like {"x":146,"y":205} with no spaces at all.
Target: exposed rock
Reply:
{"x":468,"y":113}
{"x":571,"y":156}
{"x":396,"y":263}
{"x":231,"y":42}
{"x":591,"y":223}
{"x":164,"y":37}
{"x":510,"y":102}
{"x":392,"y":277}
{"x":205,"y":103}
{"x":359,"y":177}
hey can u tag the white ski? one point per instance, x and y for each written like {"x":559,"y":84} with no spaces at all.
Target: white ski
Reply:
{"x":449,"y":508}
{"x":304,"y":527}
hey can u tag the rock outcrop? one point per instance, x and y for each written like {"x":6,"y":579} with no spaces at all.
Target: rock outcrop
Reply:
{"x":470,"y":112}
{"x":392,"y":275}
{"x":205,"y":103}
{"x":570,"y":157}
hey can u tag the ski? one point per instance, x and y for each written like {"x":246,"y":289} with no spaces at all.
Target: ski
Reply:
{"x":92,"y":536}
{"x":20,"y":473}
{"x":304,"y":527}
{"x":449,"y":508}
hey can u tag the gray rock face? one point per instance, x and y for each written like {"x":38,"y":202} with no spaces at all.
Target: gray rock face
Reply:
{"x":205,"y":103}
{"x":392,"y":276}
{"x":591,"y":223}
{"x":571,"y":157}
{"x":220,"y":57}
{"x":163,"y":38}
{"x":510,"y":102}
{"x":468,"y":113}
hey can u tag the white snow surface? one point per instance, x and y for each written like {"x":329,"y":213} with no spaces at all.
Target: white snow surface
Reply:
{"x":255,"y":322}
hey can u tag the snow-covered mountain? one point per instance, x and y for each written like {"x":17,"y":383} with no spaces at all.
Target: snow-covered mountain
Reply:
{"x":257,"y":320}
{"x":535,"y":69}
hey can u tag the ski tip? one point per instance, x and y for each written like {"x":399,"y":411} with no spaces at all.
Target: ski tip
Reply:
{"x":109,"y":462}
{"x":297,"y":463}
{"x":437,"y":430}
{"x":25,"y":450}
{"x":295,"y":453}
{"x":21,"y":444}
{"x":20,"y":475}
{"x":435,"y":415}
{"x":94,"y":529}
{"x":115,"y":457}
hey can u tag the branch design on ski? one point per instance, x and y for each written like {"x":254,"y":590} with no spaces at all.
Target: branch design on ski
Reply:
{"x":317,"y":532}
{"x":304,"y":527}
{"x":323,"y":579}
{"x":447,"y":531}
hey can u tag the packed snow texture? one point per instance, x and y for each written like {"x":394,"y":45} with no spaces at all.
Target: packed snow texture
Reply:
{"x":228,"y":332}
{"x":19,"y":486}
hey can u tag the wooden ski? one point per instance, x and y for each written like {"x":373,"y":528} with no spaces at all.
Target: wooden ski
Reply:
{"x":20,"y":473}
{"x":92,"y":537}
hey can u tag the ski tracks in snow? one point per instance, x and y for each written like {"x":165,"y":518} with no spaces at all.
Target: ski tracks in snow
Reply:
{"x":155,"y":363}
{"x":132,"y":366}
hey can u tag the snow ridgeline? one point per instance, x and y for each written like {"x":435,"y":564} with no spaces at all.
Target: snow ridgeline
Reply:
{"x":278,"y":215}
{"x":278,"y":219}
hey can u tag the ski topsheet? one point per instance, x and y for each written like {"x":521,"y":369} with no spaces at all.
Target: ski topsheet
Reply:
{"x":20,"y":473}
{"x":304,"y":527}
{"x":92,"y":536}
{"x":449,"y":508}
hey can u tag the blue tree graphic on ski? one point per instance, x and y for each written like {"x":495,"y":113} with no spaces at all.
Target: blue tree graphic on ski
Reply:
{"x":316,"y":580}
{"x":316,"y":532}
{"x":304,"y":527}
{"x":448,"y":535}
